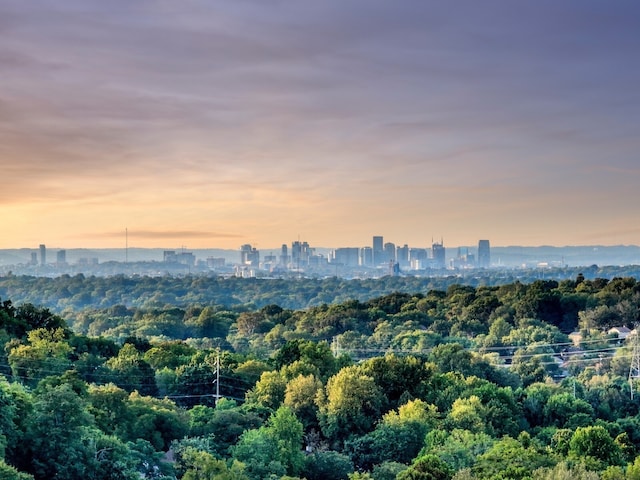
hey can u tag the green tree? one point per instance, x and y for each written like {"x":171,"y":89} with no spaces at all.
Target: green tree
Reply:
{"x":300,"y":397}
{"x":57,"y":437}
{"x":269,"y":391}
{"x":427,"y":467}
{"x":352,"y":404}
{"x":131,"y":372}
{"x":327,"y":465}
{"x":275,"y":448}
{"x":399,"y":436}
{"x":200,"y":465}
{"x":46,"y":353}
{"x":7,"y":472}
{"x":594,"y":442}
{"x":458,"y":448}
{"x":510,"y":459}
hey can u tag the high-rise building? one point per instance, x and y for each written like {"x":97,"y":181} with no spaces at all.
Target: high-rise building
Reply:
{"x":300,"y":254}
{"x":378,"y":250}
{"x":438,"y":255}
{"x":43,"y":254}
{"x":366,"y":257}
{"x":390,"y":252}
{"x":61,"y":257}
{"x":348,"y":256}
{"x":402,"y":256}
{"x":249,"y":255}
{"x":284,"y":255}
{"x":484,"y":254}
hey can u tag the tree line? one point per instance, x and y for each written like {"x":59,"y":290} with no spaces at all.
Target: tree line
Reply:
{"x":467,"y":382}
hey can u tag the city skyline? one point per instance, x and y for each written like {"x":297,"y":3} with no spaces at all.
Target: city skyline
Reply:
{"x":250,"y":123}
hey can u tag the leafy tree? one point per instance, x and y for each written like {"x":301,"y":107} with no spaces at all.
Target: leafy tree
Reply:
{"x":427,"y":467}
{"x":467,"y":414}
{"x":158,"y":421}
{"x":225,"y":423}
{"x":200,"y":465}
{"x":327,"y":465}
{"x":399,"y":436}
{"x":269,"y":391}
{"x":562,"y":471}
{"x":275,"y":448}
{"x":57,"y":437}
{"x":399,"y":377}
{"x":7,"y":472}
{"x":595,"y":442}
{"x":509,"y":458}
{"x":458,"y":448}
{"x":352,"y":404}
{"x":562,"y":408}
{"x":46,"y":353}
{"x":129,"y":371}
{"x":300,"y":395}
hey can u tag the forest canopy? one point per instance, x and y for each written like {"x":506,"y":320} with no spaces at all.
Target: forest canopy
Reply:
{"x":517,"y":380}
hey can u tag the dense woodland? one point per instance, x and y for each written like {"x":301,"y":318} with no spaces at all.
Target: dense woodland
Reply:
{"x":167,"y":379}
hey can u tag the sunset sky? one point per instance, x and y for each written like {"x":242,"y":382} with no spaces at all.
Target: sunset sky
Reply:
{"x":205,"y":123}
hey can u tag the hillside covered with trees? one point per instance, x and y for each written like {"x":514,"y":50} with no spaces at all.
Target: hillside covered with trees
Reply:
{"x":511,"y":381}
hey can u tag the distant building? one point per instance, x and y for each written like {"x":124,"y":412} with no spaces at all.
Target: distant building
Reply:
{"x":390,"y":252}
{"x":213,"y":262}
{"x":61,"y":257}
{"x":284,"y":256}
{"x":34,"y":258}
{"x":43,"y":254}
{"x":300,"y":254}
{"x":378,"y":251}
{"x":438,"y":255}
{"x":249,"y":255}
{"x":418,"y":258}
{"x":463,"y":259}
{"x":182,"y":258}
{"x":366,"y":257}
{"x":484,"y":254}
{"x":347,"y":256}
{"x":402,"y":256}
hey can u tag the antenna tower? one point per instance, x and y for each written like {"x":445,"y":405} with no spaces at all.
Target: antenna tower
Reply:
{"x":634,"y":369}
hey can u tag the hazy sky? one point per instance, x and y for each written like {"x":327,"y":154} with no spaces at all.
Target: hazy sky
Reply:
{"x":204,"y":123}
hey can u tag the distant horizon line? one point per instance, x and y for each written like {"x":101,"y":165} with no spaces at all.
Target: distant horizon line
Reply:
{"x":620,"y":245}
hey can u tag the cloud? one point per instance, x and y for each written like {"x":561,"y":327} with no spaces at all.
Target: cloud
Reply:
{"x":162,"y":235}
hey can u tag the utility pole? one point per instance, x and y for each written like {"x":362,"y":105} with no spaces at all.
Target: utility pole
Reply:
{"x":634,"y":369}
{"x":217,"y":376}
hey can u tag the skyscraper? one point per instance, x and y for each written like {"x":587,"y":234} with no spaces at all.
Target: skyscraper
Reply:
{"x":484,"y":254}
{"x":438,"y":255}
{"x":378,"y":250}
{"x":43,"y":254}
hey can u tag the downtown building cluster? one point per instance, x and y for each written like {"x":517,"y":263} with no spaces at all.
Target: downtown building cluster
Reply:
{"x":387,"y":258}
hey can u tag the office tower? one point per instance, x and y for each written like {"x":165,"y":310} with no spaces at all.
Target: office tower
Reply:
{"x":402,"y":255}
{"x":249,"y":255}
{"x":43,"y":254}
{"x":484,"y":254}
{"x":366,"y":257}
{"x":348,"y":256}
{"x":61,"y":257}
{"x":284,"y":255}
{"x":418,"y":258}
{"x":300,"y":254}
{"x":378,"y":251}
{"x":438,"y":255}
{"x":390,"y":251}
{"x":34,"y":258}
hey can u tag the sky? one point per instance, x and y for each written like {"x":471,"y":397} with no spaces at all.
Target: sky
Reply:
{"x":211,"y":124}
